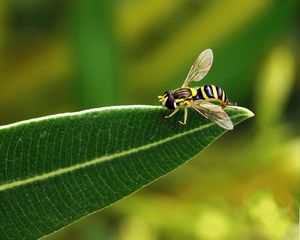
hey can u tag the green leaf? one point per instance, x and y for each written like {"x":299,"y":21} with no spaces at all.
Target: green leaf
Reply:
{"x":57,"y":169}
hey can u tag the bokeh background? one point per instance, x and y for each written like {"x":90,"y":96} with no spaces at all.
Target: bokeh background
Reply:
{"x":61,"y":56}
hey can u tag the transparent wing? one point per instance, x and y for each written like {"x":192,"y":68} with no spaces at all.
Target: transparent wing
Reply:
{"x":213,"y":112}
{"x":200,"y":67}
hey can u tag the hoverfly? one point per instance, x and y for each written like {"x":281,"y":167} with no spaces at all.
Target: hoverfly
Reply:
{"x":208,"y":100}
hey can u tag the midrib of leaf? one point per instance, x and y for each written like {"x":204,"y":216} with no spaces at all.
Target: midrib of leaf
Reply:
{"x":101,"y":159}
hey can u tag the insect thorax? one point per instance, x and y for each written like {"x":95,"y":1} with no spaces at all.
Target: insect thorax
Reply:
{"x":183,"y":93}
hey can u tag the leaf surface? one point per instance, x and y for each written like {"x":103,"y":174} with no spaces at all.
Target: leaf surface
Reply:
{"x":55,"y":170}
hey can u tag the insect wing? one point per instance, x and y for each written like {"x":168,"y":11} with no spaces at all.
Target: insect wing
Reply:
{"x":200,"y":67}
{"x":214,"y":113}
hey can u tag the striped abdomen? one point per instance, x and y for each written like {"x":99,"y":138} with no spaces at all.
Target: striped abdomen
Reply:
{"x":211,"y":93}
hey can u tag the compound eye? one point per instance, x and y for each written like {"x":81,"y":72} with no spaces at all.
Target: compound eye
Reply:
{"x":170,"y":103}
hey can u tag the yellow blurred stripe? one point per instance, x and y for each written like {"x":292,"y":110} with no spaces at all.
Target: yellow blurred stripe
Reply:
{"x":133,"y":18}
{"x":218,"y":21}
{"x":274,"y":85}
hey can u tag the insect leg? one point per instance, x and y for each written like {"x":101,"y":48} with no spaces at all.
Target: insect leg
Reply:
{"x":185,"y":116}
{"x":173,"y":113}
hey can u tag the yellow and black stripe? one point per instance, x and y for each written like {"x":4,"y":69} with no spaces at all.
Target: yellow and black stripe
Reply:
{"x":211,"y":93}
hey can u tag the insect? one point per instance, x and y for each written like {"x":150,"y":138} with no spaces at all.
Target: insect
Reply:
{"x":208,"y":100}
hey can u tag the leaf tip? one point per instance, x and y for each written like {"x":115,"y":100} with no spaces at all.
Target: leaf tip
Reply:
{"x":245,"y":111}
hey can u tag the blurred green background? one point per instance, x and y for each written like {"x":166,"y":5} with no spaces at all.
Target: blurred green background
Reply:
{"x":61,"y":56}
